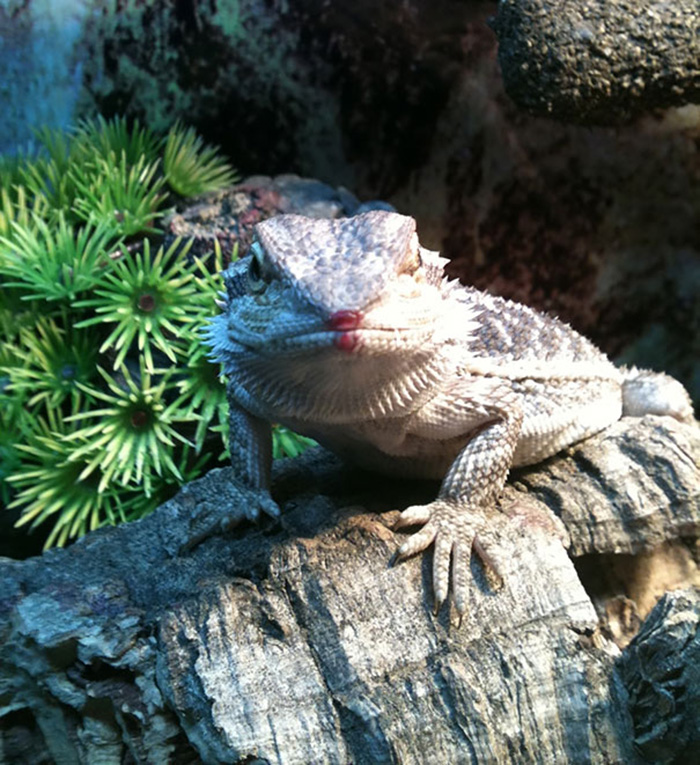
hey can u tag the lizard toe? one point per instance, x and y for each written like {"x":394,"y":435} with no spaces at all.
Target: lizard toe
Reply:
{"x":441,"y":567}
{"x":269,"y":506}
{"x":485,"y":551}
{"x":461,"y":557}
{"x":412,"y":516}
{"x":452,"y":556}
{"x":417,"y":542}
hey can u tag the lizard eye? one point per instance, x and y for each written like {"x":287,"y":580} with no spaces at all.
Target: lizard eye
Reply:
{"x":414,"y":263}
{"x":257,"y":278}
{"x":412,"y":260}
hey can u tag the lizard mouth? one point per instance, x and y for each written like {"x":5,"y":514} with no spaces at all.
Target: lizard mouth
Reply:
{"x":365,"y":340}
{"x":344,"y":333}
{"x":349,"y":335}
{"x":378,"y":340}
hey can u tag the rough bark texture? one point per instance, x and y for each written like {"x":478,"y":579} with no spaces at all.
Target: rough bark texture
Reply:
{"x":595,"y":61}
{"x":661,"y":671}
{"x":298,"y":642}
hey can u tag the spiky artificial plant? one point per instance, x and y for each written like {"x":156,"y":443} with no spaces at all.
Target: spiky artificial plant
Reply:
{"x":107,"y":399}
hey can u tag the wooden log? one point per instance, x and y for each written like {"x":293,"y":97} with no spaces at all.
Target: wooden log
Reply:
{"x":298,"y":642}
{"x":661,"y":674}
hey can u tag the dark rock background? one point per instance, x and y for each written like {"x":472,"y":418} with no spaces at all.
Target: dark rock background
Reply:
{"x":597,"y":62}
{"x":405,"y":102}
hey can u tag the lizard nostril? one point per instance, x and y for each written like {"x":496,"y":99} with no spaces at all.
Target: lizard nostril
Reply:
{"x":342,"y":321}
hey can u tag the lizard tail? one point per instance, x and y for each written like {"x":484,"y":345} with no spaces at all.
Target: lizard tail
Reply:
{"x":647,"y":392}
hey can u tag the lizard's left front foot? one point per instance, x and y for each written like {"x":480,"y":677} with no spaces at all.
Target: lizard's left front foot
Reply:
{"x":454,"y":529}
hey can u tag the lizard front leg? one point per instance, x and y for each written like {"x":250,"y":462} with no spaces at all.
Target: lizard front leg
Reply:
{"x":250,"y":446}
{"x":454,"y":521}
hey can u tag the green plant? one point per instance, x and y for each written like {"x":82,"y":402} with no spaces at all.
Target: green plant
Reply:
{"x":9,"y":171}
{"x":107,"y":138}
{"x":49,"y":485}
{"x":190,"y":166}
{"x":202,"y":393}
{"x":132,"y":439}
{"x":10,"y":459}
{"x":17,"y":213}
{"x":286,"y":443}
{"x":146,"y":299}
{"x":83,"y":290}
{"x":13,"y":419}
{"x":99,"y":163}
{"x":55,"y":261}
{"x":58,"y":360}
{"x":119,"y":194}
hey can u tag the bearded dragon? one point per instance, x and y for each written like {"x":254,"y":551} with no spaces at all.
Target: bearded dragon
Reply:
{"x":348,"y":331}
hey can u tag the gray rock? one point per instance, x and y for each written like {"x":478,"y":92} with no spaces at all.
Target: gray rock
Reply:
{"x":598,"y":62}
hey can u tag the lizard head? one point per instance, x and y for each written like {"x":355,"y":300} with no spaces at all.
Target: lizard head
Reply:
{"x":336,"y":320}
{"x":351,"y":286}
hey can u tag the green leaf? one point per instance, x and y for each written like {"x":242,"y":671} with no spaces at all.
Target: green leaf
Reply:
{"x":115,"y":138}
{"x":56,"y":360}
{"x":48,"y":487}
{"x":191,"y":167}
{"x":55,"y":262}
{"x":18,"y":210}
{"x":133,"y":437}
{"x":113,"y":192}
{"x":147,"y":302}
{"x":286,"y":443}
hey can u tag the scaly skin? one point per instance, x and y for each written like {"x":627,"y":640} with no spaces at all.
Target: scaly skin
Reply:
{"x":348,"y":331}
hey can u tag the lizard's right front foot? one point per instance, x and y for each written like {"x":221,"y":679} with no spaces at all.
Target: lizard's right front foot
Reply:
{"x":454,"y":530}
{"x":225,"y":511}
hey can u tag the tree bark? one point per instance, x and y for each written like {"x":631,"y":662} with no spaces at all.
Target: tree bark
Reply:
{"x":298,"y":642}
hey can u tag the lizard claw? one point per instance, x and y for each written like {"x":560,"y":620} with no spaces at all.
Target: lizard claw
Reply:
{"x":262,"y":501}
{"x":238,"y":504}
